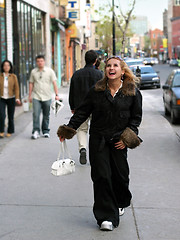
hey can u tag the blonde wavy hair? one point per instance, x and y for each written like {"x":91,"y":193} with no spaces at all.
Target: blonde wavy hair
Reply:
{"x":128,"y":76}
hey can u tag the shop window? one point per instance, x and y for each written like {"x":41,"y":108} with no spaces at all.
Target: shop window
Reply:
{"x":28,"y":41}
{"x":2,"y":31}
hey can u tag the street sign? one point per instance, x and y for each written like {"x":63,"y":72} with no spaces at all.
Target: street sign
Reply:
{"x":73,"y":10}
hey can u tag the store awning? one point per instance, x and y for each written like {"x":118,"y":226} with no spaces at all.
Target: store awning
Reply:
{"x":57,"y":24}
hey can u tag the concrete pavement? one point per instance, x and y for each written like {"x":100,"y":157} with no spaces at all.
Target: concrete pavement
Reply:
{"x":34,"y":205}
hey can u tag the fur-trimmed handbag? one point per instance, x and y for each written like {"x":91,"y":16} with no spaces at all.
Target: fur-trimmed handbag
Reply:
{"x":130,"y":139}
{"x":63,"y":166}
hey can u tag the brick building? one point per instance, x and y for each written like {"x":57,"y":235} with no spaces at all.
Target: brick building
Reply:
{"x":173,"y":14}
{"x":156,"y":41}
{"x":176,"y":37}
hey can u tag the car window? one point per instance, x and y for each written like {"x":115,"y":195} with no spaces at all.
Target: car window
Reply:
{"x":169,"y":80}
{"x":146,"y":70}
{"x":134,"y":63}
{"x":176,"y":80}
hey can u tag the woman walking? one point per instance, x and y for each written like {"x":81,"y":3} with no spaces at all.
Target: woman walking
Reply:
{"x":116,"y":107}
{"x":9,"y":95}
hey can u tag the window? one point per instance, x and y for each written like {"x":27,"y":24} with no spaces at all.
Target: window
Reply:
{"x":176,"y":81}
{"x":96,"y":43}
{"x":154,"y":35}
{"x":170,"y":78}
{"x":28,"y":31}
{"x":154,"y":43}
{"x":177,"y":2}
{"x":2,"y":31}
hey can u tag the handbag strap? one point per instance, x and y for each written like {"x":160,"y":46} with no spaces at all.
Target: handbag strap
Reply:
{"x":63,"y":150}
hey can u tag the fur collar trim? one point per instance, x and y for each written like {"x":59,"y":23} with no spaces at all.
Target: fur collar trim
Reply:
{"x":129,"y":87}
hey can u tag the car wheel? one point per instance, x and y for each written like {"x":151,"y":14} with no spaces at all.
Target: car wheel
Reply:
{"x":158,"y":86}
{"x":173,"y":118}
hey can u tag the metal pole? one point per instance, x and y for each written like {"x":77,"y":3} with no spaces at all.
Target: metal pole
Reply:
{"x":113,"y":29}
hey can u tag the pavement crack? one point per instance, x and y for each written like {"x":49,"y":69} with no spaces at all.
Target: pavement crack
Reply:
{"x":135,"y":221}
{"x":42,"y":205}
{"x":5,"y":234}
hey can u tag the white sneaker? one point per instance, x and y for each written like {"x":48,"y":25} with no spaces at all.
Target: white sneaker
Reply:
{"x":106,"y":226}
{"x":35,"y":135}
{"x":46,"y":135}
{"x":121,"y":211}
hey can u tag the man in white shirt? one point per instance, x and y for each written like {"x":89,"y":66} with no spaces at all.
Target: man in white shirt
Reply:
{"x":40,"y":95}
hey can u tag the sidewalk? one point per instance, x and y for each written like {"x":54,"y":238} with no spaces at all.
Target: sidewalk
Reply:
{"x":34,"y":205}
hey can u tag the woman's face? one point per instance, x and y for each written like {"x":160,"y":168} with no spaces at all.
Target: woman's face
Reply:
{"x":113,"y":69}
{"x":6,"y":67}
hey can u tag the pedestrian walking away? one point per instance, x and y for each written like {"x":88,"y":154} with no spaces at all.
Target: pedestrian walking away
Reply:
{"x":9,"y":96}
{"x":178,"y":60}
{"x":115,"y":104}
{"x":81,"y":81}
{"x":40,"y":95}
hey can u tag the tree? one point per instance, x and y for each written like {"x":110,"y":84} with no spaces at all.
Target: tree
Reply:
{"x":123,"y":21}
{"x":104,"y":30}
{"x":147,"y":45}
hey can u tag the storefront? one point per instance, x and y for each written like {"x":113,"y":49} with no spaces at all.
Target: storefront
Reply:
{"x":58,"y":48}
{"x":28,"y":40}
{"x":3,"y":51}
{"x":73,"y":51}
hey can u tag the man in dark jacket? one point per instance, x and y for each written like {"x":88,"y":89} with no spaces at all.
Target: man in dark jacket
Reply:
{"x":81,"y":81}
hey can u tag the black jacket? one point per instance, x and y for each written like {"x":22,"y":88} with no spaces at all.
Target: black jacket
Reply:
{"x":110,"y":116}
{"x":81,"y":82}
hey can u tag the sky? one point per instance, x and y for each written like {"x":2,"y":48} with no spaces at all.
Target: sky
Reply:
{"x":153,"y":9}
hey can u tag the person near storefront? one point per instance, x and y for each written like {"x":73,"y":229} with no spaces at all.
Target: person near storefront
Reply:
{"x":9,"y":96}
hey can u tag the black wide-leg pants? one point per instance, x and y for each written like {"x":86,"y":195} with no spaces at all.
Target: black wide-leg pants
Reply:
{"x":10,"y":103}
{"x":110,"y":176}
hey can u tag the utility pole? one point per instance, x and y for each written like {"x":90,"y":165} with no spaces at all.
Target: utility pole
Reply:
{"x":113,"y":29}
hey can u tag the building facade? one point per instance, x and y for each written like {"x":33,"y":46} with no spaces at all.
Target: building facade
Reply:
{"x":93,"y":40}
{"x":139,"y":25}
{"x":175,"y":37}
{"x":29,"y":28}
{"x":32,"y":27}
{"x":3,"y":33}
{"x":173,"y":12}
{"x":156,"y":37}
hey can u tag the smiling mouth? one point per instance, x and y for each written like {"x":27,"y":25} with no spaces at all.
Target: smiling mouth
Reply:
{"x":111,"y":73}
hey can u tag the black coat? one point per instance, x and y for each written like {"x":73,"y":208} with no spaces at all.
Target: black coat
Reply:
{"x":81,"y":82}
{"x":110,"y":116}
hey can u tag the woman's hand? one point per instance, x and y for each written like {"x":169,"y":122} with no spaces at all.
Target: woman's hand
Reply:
{"x":61,"y":139}
{"x":18,"y":101}
{"x":120,"y":145}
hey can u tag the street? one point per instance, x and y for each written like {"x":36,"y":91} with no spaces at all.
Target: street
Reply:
{"x":34,"y":205}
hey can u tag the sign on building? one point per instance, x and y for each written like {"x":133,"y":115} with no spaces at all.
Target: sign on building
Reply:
{"x":73,"y":10}
{"x":63,"y":2}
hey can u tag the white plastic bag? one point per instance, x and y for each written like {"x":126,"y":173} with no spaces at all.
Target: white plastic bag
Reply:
{"x":56,"y":106}
{"x":63,"y":166}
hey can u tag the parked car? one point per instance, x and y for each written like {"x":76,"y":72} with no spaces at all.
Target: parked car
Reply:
{"x":148,"y":61}
{"x":156,"y":61}
{"x":171,"y":95}
{"x":133,"y":61}
{"x":173,"y":62}
{"x":149,"y":77}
